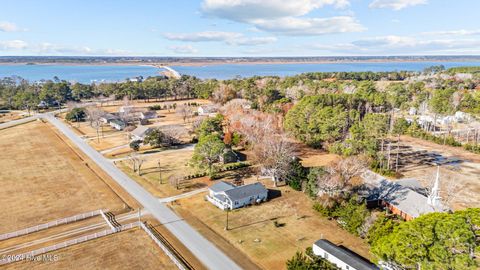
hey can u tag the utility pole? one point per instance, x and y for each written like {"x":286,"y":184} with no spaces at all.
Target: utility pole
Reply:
{"x":160,"y":172}
{"x":226,"y":223}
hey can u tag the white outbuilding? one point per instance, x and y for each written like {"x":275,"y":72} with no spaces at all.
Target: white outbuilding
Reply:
{"x":342,"y":257}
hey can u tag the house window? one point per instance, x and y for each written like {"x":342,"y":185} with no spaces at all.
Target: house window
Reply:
{"x":347,"y":267}
{"x":236,"y":203}
{"x":325,"y":255}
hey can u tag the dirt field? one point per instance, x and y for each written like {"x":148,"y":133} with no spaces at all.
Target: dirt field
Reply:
{"x":173,"y":162}
{"x":131,"y":249}
{"x":464,"y":175}
{"x":43,"y":179}
{"x":252,"y":231}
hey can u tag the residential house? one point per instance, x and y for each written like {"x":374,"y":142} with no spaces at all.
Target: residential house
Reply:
{"x":225,"y":195}
{"x":127,"y":109}
{"x":208,"y":110}
{"x":139,"y":133}
{"x":108,"y":117}
{"x":117,"y":124}
{"x":340,"y":256}
{"x":148,"y":115}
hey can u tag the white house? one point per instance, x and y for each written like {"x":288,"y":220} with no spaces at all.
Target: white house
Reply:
{"x":117,"y":124}
{"x":225,"y":195}
{"x":148,"y":115}
{"x":108,"y":117}
{"x":342,"y":257}
{"x":208,"y":110}
{"x":128,"y":108}
{"x":462,"y":117}
{"x":140,"y":132}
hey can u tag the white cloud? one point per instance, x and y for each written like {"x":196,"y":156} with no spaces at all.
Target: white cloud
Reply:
{"x":461,"y":32}
{"x":230,"y":38}
{"x":248,"y":10}
{"x":403,"y":45}
{"x":56,"y":49}
{"x":310,"y":26}
{"x":183,"y":49}
{"x":202,"y":36}
{"x":9,"y":27}
{"x":396,"y":4}
{"x":13,"y":45}
{"x":283,"y":16}
{"x":252,"y":41}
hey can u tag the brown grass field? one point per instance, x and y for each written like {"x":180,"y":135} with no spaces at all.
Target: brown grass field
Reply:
{"x":302,"y":226}
{"x":44,"y":179}
{"x":173,"y":162}
{"x":11,"y":115}
{"x":131,"y":249}
{"x":111,"y":138}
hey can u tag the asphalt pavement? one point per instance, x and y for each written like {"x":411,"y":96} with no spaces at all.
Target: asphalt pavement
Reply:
{"x":205,"y":251}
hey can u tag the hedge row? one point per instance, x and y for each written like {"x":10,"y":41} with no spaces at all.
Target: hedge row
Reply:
{"x":228,"y":167}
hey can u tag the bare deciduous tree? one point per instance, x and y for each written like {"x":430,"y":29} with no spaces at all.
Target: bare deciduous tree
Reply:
{"x":184,"y":111}
{"x":341,"y":176}
{"x":94,"y":114}
{"x":275,"y":154}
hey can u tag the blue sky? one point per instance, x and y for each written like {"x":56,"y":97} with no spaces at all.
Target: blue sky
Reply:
{"x":239,"y":27}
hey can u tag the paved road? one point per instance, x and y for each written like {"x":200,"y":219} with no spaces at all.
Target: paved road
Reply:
{"x":200,"y":247}
{"x":18,"y":122}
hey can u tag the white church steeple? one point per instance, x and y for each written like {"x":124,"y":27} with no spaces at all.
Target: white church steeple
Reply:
{"x":434,"y":196}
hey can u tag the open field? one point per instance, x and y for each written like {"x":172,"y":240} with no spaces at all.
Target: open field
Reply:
{"x":44,"y":179}
{"x":110,"y":138}
{"x":252,"y":231}
{"x":173,"y":162}
{"x":6,"y":116}
{"x":131,"y":249}
{"x":465,"y":173}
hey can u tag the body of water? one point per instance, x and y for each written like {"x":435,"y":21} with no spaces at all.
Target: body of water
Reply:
{"x":229,"y":71}
{"x":92,"y":73}
{"x":78,"y":73}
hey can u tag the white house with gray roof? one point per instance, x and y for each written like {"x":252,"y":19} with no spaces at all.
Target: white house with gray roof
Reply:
{"x":225,"y":195}
{"x":340,"y":256}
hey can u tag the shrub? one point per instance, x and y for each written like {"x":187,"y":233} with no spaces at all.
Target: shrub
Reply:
{"x":155,"y":107}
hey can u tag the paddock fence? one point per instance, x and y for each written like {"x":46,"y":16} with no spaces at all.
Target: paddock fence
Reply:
{"x":50,"y":224}
{"x":30,"y":256}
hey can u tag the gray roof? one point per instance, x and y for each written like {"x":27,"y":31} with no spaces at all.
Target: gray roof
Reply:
{"x":221,"y":186}
{"x":407,"y":195}
{"x":118,"y":122}
{"x":346,"y":255}
{"x":109,"y":116}
{"x":246,"y":191}
{"x":141,"y":131}
{"x":149,"y":113}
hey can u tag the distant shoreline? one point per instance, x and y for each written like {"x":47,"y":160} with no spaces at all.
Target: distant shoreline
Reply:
{"x":241,"y":61}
